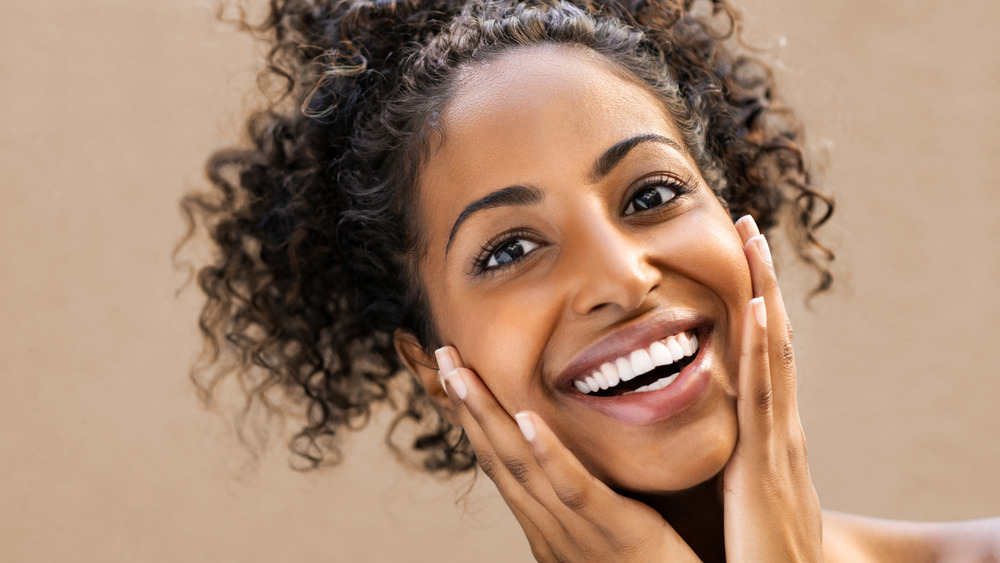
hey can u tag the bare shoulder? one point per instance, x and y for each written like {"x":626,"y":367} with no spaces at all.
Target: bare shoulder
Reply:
{"x":862,"y":539}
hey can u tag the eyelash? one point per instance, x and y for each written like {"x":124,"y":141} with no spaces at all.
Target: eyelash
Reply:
{"x":679,"y":187}
{"x":488,"y":250}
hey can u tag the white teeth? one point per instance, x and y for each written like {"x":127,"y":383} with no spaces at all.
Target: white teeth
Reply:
{"x":660,"y":353}
{"x":594,"y":387}
{"x":656,"y":385}
{"x":599,"y":378}
{"x":610,"y":373}
{"x":675,"y":348}
{"x":685,"y":343}
{"x":641,"y":362}
{"x":624,"y":369}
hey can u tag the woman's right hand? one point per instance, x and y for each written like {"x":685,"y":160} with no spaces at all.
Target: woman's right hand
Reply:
{"x":566,"y":513}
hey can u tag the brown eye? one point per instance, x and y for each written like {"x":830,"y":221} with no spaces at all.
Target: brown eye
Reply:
{"x":649,"y":198}
{"x":509,"y":251}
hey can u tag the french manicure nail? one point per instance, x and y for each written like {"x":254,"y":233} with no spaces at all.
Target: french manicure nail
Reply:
{"x":446,"y":363}
{"x":750,"y":224}
{"x":765,"y":252}
{"x":457,"y":383}
{"x":527,"y":427}
{"x":759,"y":311}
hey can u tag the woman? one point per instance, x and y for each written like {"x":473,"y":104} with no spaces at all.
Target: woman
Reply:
{"x":544,"y":194}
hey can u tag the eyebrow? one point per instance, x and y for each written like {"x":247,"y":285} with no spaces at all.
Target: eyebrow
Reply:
{"x":509,"y":196}
{"x":611,"y":157}
{"x":525,"y":195}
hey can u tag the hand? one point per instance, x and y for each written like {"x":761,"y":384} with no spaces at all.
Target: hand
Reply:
{"x":772,"y":512}
{"x":566,"y":513}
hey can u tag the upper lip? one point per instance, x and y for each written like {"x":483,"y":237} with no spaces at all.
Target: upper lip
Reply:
{"x":636,"y":334}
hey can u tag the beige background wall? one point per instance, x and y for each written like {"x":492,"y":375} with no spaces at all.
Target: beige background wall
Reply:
{"x":107,"y":110}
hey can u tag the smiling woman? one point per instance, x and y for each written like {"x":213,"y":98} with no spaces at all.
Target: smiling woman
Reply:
{"x":550,"y":214}
{"x":599,"y":239}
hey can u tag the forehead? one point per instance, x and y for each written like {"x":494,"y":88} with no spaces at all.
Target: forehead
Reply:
{"x":549,"y":88}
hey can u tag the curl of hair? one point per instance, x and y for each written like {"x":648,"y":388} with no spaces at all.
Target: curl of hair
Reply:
{"x":314,"y":236}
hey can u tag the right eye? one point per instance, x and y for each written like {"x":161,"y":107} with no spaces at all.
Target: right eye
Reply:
{"x":508,"y":251}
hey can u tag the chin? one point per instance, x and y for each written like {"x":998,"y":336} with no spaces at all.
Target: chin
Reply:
{"x":689,"y":457}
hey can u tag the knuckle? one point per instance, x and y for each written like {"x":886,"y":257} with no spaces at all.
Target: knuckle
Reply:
{"x":632,"y":551}
{"x":760,"y":348}
{"x":575,"y":499}
{"x":763,"y":399}
{"x":795,"y":459}
{"x":488,"y":463}
{"x":520,"y":470}
{"x":798,"y":454}
{"x":787,"y":353}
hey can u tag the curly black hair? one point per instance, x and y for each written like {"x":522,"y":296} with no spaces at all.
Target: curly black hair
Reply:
{"x":315,"y":239}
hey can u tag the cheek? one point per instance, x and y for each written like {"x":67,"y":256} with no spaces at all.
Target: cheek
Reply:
{"x":705,"y":247}
{"x":501,"y":337}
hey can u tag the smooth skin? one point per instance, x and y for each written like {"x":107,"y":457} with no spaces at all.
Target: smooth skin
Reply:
{"x":723,"y":474}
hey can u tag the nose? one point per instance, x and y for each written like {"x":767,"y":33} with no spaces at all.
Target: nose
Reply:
{"x":612,"y":269}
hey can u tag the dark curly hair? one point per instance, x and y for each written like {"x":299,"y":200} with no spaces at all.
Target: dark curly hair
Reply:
{"x":311,"y":221}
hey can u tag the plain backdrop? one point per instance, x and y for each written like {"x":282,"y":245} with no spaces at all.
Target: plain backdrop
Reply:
{"x":108,"y":109}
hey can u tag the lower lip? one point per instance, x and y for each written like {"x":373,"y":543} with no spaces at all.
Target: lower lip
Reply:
{"x":650,"y":407}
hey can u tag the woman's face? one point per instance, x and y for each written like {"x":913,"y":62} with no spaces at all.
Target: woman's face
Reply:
{"x":567,"y":231}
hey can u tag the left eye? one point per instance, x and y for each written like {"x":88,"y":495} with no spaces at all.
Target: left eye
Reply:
{"x":510,"y":250}
{"x":650,"y":197}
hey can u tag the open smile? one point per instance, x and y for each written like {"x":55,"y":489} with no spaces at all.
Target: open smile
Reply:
{"x":650,"y":368}
{"x":646,"y":372}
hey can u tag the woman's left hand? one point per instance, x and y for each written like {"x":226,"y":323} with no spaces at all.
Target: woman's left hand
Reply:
{"x":772,"y":512}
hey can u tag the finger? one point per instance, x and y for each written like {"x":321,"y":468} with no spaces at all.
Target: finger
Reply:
{"x":754,"y":398}
{"x":538,"y":541}
{"x":532,"y":516}
{"x":500,"y":449}
{"x":781,"y":355}
{"x":586,"y":496}
{"x":747,"y":228}
{"x":490,"y":460}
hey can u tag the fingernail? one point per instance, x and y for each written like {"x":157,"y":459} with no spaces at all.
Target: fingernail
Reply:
{"x":759,"y":311}
{"x":446,"y":363}
{"x":457,"y":383}
{"x":765,"y":252}
{"x":441,"y":380}
{"x":527,"y":427}
{"x":751,"y":225}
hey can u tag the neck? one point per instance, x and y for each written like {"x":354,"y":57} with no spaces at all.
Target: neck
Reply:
{"x":696,"y":514}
